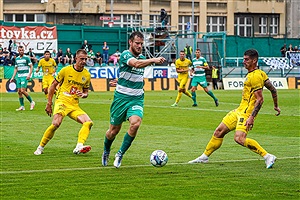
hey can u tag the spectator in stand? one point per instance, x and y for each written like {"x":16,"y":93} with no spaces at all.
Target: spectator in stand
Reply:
{"x":13,"y":47}
{"x":86,"y":46}
{"x":8,"y":61}
{"x":98,"y":57}
{"x":296,"y":49}
{"x":91,"y":54}
{"x":115,"y":57}
{"x":5,"y":51}
{"x":60,"y":57}
{"x":290,"y":48}
{"x":69,"y":58}
{"x":105,"y":49}
{"x":32,"y":57}
{"x":53,"y":54}
{"x":188,"y":50}
{"x":1,"y":48}
{"x":283,"y":50}
{"x":2,"y":57}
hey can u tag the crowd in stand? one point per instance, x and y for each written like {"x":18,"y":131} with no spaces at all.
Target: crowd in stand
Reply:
{"x":9,"y":54}
{"x":285,"y":49}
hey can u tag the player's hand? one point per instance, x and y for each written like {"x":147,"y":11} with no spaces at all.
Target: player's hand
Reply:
{"x":81,"y":94}
{"x":249,"y":123}
{"x":278,"y":110}
{"x":28,"y":77}
{"x":113,"y":83}
{"x":159,"y":60}
{"x":48,"y":109}
{"x":11,"y":80}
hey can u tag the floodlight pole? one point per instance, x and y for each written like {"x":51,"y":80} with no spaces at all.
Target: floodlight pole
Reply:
{"x":111,"y":10}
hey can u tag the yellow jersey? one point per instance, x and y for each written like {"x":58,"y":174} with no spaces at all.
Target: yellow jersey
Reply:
{"x":48,"y":67}
{"x":71,"y":81}
{"x":185,"y":64}
{"x":255,"y":80}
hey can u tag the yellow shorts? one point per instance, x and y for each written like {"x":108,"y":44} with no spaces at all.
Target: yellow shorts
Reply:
{"x":236,"y":120}
{"x":182,"y":79}
{"x":47,"y":81}
{"x":67,"y":109}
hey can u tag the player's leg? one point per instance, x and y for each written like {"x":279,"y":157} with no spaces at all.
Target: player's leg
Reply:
{"x":80,"y":116}
{"x":241,"y":138}
{"x":49,"y":133}
{"x":26,"y":94}
{"x":194,"y":85}
{"x":203,"y":84}
{"x":135,"y":114}
{"x":118,"y":111}
{"x":183,"y":85}
{"x":228,"y":123}
{"x":21,"y":100}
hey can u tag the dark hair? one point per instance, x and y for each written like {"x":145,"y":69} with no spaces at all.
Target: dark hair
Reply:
{"x":252,"y":53}
{"x":198,"y":50}
{"x":136,"y":33}
{"x":47,"y":52}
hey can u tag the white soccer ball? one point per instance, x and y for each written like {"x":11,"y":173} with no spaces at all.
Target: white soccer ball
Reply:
{"x":158,"y":158}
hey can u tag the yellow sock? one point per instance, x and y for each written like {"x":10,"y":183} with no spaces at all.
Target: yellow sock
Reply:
{"x":178,"y":97}
{"x":187,"y":93}
{"x":84,"y":132}
{"x":255,"y":147}
{"x":213,"y":145}
{"x":48,"y":134}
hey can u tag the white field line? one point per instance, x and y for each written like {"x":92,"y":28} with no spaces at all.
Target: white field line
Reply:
{"x":131,"y":166}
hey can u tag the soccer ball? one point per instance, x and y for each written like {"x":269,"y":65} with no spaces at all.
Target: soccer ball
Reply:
{"x":158,"y":158}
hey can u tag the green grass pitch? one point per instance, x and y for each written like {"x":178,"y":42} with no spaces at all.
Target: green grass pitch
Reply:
{"x":234,"y":172}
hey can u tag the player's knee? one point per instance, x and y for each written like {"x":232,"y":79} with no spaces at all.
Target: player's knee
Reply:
{"x":88,"y":124}
{"x":135,"y":124}
{"x":239,"y":139}
{"x":181,"y":89}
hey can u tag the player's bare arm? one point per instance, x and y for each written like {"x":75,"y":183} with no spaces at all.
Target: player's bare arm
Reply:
{"x":52,"y":89}
{"x":273,"y":91}
{"x":144,"y":63}
{"x":258,"y":104}
{"x":30,"y":72}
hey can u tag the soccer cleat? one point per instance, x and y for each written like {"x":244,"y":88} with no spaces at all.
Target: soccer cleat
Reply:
{"x":174,"y":104}
{"x":21,"y":108}
{"x":105,"y":157}
{"x":83,"y":149}
{"x":199,"y":160}
{"x":39,"y":151}
{"x":118,"y":160}
{"x":270,"y":160}
{"x":32,"y":104}
{"x":195,"y":105}
{"x":217,"y":102}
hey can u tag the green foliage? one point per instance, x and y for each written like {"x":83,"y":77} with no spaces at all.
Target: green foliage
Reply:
{"x":234,"y":172}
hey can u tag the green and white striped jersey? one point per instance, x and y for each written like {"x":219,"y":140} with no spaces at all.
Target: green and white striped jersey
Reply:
{"x":131,"y":79}
{"x":199,"y":62}
{"x":22,"y":65}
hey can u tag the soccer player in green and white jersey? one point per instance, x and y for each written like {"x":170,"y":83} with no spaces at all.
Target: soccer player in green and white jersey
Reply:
{"x":198,"y":71}
{"x":23,"y":70}
{"x":128,"y":103}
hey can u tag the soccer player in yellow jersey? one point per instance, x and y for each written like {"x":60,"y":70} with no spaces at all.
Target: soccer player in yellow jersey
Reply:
{"x":74,"y":81}
{"x":182,"y":68}
{"x":242,"y":118}
{"x":48,"y":65}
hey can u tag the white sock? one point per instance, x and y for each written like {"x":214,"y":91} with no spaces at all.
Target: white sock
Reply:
{"x":79,"y":145}
{"x":204,"y":156}
{"x":266,"y":156}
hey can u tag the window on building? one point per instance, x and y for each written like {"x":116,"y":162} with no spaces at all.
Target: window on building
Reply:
{"x":29,"y":18}
{"x":263,"y":25}
{"x":184,"y":25}
{"x":243,"y":26}
{"x":32,"y":18}
{"x":274,"y":25}
{"x":216,"y":24}
{"x":132,"y":21}
{"x":19,"y":18}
